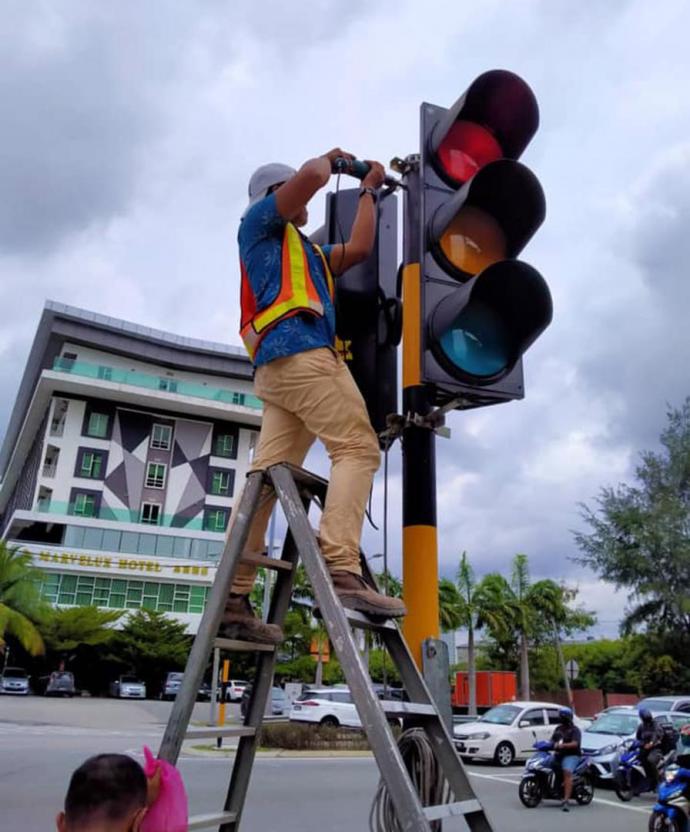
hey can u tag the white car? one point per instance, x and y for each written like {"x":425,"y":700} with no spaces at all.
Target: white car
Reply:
{"x":235,"y":689}
{"x":507,"y":732}
{"x":128,"y":687}
{"x":326,"y":706}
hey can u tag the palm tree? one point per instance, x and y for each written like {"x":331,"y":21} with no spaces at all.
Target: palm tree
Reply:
{"x":522,"y":613}
{"x":449,"y":606}
{"x":479,"y":605}
{"x":21,"y":605}
{"x":472,"y":605}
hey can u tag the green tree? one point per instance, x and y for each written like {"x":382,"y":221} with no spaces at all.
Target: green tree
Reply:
{"x":21,"y":606}
{"x":532,"y":613}
{"x":66,"y":629}
{"x":471,"y":605}
{"x":639,"y":536}
{"x":150,"y":645}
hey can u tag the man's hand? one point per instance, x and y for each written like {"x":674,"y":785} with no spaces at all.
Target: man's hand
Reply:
{"x":375,"y":177}
{"x":336,"y":153}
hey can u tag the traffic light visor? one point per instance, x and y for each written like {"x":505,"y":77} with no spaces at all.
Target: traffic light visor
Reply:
{"x":494,"y":118}
{"x":479,"y":331}
{"x":490,"y":218}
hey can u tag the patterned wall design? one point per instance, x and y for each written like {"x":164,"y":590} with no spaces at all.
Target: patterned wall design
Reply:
{"x":188,"y":471}
{"x":124,"y":482}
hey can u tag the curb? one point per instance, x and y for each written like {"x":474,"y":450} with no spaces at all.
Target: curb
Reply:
{"x":229,"y":751}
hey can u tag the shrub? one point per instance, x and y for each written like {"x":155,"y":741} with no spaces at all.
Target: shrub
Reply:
{"x":305,"y":737}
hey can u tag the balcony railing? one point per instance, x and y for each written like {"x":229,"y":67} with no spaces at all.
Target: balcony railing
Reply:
{"x":152,"y":382}
{"x":49,"y":469}
{"x":57,"y":428}
{"x":120,"y":516}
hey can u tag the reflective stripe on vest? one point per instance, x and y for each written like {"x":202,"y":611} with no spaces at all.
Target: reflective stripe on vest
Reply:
{"x":298,"y":292}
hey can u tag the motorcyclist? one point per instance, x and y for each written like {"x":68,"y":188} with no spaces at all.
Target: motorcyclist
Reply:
{"x":566,"y":740}
{"x":649,"y":736}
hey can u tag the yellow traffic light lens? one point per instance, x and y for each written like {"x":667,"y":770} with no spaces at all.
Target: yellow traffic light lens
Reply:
{"x":465,"y":149}
{"x":473,"y":240}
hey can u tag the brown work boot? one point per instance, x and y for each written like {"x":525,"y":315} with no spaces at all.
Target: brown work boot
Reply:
{"x":356,"y":594}
{"x":240,"y":622}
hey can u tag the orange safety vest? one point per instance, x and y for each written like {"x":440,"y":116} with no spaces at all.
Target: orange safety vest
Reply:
{"x":298,"y":292}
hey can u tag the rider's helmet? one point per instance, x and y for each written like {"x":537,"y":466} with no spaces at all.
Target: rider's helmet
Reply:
{"x":565,"y":714}
{"x":645,"y":715}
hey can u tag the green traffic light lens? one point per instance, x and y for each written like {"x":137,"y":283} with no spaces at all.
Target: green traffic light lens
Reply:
{"x":476,"y":342}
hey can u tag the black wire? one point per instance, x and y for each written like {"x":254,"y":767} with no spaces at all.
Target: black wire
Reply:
{"x":339,"y":226}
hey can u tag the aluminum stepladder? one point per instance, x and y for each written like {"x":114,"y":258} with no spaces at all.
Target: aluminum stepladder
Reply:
{"x":295,"y":489}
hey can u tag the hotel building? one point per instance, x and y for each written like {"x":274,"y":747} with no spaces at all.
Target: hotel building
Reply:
{"x":124,"y":452}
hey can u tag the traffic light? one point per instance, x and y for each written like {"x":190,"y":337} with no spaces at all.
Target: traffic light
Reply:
{"x":368,"y":311}
{"x":481,"y":308}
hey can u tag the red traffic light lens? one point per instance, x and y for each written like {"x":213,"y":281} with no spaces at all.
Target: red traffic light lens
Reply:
{"x":465,"y":149}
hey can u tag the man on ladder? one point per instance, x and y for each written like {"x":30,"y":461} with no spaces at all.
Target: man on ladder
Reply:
{"x":288,"y":328}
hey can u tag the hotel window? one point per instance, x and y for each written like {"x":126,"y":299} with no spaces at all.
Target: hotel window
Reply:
{"x":220,"y":483}
{"x":167,"y":384}
{"x":91,"y":465}
{"x":161,"y":437}
{"x":150,"y":513}
{"x":155,"y":475}
{"x":215,"y":519}
{"x":105,"y":373}
{"x":87,"y":590}
{"x":224,"y":445}
{"x":97,"y":425}
{"x":84,"y":505}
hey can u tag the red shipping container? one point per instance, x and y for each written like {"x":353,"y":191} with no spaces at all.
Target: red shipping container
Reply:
{"x":493,"y":687}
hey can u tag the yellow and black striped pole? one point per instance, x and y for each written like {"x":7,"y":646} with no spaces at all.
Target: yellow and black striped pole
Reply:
{"x":420,"y":543}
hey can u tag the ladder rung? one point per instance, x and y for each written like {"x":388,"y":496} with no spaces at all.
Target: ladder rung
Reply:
{"x":447,"y":810}
{"x":211,"y":819}
{"x":306,"y":479}
{"x":364,"y":622}
{"x":392,"y":707}
{"x":268,"y":563}
{"x":220,"y":731}
{"x":242,"y":646}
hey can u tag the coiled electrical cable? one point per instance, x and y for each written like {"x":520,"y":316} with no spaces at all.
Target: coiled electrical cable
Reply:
{"x":427,"y":778}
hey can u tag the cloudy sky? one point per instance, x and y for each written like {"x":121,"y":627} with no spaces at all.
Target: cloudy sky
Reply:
{"x":130,"y":130}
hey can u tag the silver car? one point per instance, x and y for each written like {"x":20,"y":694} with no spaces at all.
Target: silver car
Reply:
{"x":171,"y":685}
{"x":610,"y":730}
{"x":604,"y":737}
{"x":128,"y":687}
{"x":15,"y":681}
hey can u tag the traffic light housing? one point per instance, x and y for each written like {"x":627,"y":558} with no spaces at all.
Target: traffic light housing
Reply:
{"x":368,"y":310}
{"x":481,"y":308}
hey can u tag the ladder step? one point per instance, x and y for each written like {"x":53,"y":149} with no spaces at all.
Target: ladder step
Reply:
{"x":447,"y":810}
{"x":305,"y":479}
{"x":393,"y":707}
{"x":235,"y":646}
{"x":220,"y":731}
{"x":268,"y":563}
{"x":364,"y":622}
{"x":211,"y":819}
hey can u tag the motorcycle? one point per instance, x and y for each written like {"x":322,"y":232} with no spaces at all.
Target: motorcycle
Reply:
{"x":630,"y":779}
{"x":671,"y":812}
{"x":543,"y":778}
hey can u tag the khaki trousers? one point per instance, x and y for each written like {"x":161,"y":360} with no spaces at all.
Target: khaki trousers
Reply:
{"x":308,"y":395}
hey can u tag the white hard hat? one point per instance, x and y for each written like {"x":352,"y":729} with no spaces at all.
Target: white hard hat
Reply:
{"x":265,"y":178}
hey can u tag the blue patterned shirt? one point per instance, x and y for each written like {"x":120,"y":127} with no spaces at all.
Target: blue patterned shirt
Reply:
{"x":260,"y":240}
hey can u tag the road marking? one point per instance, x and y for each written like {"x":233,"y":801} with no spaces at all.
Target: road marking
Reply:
{"x":616,"y":804}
